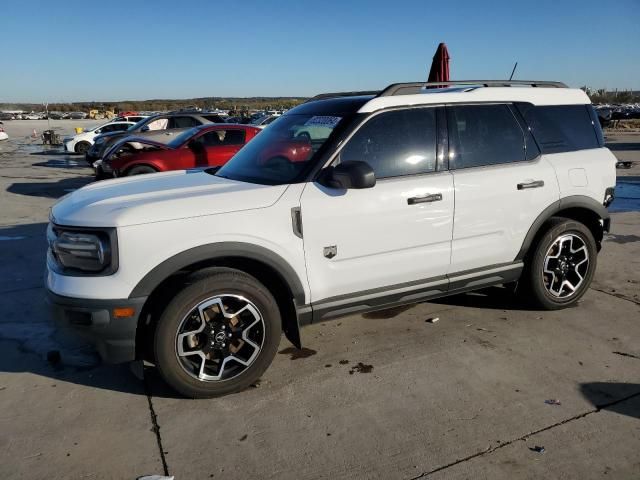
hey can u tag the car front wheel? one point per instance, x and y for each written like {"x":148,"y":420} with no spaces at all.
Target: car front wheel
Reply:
{"x":82,"y":147}
{"x":561,"y":266}
{"x":218,"y":335}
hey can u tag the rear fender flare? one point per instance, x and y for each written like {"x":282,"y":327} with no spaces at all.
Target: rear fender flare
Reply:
{"x":573,"y":201}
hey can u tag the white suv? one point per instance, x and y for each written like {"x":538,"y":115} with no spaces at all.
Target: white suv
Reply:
{"x":345,"y":204}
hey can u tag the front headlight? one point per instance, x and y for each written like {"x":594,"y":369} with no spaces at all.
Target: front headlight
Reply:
{"x":86,"y":250}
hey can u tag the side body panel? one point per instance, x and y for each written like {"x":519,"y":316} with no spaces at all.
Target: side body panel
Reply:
{"x":584,"y":172}
{"x":493,"y":216}
{"x":357,"y":240}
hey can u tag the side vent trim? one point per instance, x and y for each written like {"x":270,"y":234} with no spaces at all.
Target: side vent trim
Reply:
{"x":296,"y":221}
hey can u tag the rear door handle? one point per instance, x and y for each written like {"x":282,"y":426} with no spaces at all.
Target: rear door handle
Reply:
{"x":534,"y":184}
{"x":434,"y":197}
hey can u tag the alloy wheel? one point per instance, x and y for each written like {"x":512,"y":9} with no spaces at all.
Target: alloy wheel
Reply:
{"x":220,"y":338}
{"x":565,"y":266}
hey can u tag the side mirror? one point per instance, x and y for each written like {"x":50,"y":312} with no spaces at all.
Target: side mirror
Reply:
{"x":145,"y":128}
{"x":353,"y":174}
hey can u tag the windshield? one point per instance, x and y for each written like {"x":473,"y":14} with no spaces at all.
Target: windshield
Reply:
{"x":279,"y":153}
{"x":183,"y":137}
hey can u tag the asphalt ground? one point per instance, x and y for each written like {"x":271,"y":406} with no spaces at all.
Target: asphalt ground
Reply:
{"x":383,"y":395}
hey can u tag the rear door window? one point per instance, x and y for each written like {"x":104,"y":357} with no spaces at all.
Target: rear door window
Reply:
{"x":396,"y":143}
{"x":483,"y":135}
{"x":561,"y":128}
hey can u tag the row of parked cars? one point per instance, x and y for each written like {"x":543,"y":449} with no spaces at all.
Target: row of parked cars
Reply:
{"x":608,"y":113}
{"x":135,"y":145}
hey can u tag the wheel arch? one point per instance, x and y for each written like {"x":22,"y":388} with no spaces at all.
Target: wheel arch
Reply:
{"x":581,"y":208}
{"x":142,"y":163}
{"x":275,"y":273}
{"x":81,"y":142}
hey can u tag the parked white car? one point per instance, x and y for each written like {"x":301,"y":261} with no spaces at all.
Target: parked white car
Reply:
{"x":81,"y":142}
{"x":201,"y":271}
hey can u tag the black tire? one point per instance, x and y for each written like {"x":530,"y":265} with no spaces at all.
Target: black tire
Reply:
{"x":203,"y":286}
{"x":82,"y":147}
{"x":140,"y":170}
{"x":101,"y":175}
{"x":535,"y":285}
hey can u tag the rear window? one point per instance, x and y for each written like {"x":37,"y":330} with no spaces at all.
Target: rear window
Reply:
{"x":561,"y":128}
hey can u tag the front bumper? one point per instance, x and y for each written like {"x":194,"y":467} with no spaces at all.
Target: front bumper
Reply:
{"x":91,"y":156}
{"x":94,"y":320}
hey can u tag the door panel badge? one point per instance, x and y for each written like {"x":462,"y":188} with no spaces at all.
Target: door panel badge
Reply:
{"x":330,"y":251}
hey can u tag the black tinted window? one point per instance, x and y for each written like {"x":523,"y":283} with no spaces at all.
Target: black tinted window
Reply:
{"x":233,"y":137}
{"x":396,"y":143}
{"x":483,"y":135}
{"x":183,"y":122}
{"x":214,"y":118}
{"x":121,"y":127}
{"x":561,"y":128}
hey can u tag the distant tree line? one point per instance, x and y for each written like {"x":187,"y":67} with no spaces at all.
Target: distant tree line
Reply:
{"x":235,"y":104}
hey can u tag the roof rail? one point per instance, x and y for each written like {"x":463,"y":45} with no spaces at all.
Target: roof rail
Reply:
{"x":417,"y":87}
{"x":342,"y":94}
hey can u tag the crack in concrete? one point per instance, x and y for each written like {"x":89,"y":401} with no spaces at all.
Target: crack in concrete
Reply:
{"x":491,"y":449}
{"x":624,"y":354}
{"x":617,"y":295}
{"x":154,"y":421}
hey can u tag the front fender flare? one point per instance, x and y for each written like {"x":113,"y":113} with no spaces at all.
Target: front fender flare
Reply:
{"x":220,"y":250}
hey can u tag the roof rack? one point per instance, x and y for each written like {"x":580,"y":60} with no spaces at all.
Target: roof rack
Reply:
{"x":343,"y":94}
{"x":417,"y":87}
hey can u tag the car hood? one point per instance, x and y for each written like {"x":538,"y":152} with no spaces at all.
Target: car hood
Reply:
{"x":160,"y":197}
{"x":133,"y":139}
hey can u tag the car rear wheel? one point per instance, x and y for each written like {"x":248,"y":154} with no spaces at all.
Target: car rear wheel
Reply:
{"x":218,"y":335}
{"x":561,"y":266}
{"x":140,"y":170}
{"x":82,"y":147}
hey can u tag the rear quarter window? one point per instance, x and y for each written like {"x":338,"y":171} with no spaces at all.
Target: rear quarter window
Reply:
{"x":561,"y":128}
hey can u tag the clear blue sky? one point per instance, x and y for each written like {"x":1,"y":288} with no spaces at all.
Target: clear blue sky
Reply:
{"x":117,"y":50}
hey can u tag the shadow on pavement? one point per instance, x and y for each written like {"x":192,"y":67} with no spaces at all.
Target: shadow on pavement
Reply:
{"x":608,"y":395}
{"x":66,"y":163}
{"x":49,"y":189}
{"x":54,"y":152}
{"x":493,"y":298}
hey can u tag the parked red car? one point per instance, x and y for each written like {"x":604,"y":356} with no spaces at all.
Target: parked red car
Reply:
{"x":203,"y":146}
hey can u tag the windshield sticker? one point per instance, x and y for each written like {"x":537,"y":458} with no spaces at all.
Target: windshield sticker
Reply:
{"x":322,"y":121}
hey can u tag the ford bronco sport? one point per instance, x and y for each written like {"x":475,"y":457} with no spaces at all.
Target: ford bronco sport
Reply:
{"x":394,"y":197}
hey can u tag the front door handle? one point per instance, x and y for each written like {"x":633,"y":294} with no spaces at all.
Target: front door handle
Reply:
{"x":534,"y":184}
{"x":434,"y":197}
